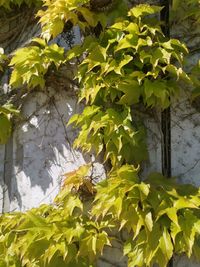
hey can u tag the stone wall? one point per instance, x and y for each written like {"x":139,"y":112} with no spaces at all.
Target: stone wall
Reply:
{"x":16,"y":28}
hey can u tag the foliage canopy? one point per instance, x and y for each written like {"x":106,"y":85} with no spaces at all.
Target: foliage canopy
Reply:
{"x":123,"y":63}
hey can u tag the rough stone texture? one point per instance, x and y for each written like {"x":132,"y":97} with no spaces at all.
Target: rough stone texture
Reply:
{"x":184,"y":262}
{"x":16,"y":28}
{"x":186,"y":143}
{"x":113,"y":257}
{"x":153,"y":164}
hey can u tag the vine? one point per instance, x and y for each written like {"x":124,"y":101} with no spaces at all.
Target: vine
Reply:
{"x":125,"y":65}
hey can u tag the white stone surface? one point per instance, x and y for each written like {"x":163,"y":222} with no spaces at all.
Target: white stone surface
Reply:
{"x":153,"y":164}
{"x":42,"y":149}
{"x":186,"y":143}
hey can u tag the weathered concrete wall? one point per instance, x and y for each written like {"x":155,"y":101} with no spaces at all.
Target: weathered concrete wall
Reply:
{"x":186,"y":143}
{"x":42,"y":149}
{"x":16,"y":28}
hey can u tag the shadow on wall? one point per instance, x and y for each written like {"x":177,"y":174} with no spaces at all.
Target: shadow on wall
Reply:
{"x":41,"y":151}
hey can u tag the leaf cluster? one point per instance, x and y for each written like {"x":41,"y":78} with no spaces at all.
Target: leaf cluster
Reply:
{"x":61,"y":234}
{"x":32,"y":63}
{"x":60,"y":13}
{"x":160,"y":216}
{"x":110,"y":131}
{"x":131,"y":60}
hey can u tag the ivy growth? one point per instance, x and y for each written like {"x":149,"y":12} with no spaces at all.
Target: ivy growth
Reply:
{"x":32,"y":63}
{"x":128,"y":64}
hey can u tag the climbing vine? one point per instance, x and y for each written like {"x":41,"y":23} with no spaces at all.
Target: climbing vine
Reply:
{"x":124,"y":64}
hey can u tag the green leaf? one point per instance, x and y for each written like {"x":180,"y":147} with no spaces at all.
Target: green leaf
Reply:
{"x":183,"y":203}
{"x":166,"y":244}
{"x":129,"y":41}
{"x":159,"y":89}
{"x":57,"y":27}
{"x":89,"y":16}
{"x":149,"y":221}
{"x":36,"y":220}
{"x":9,"y":109}
{"x":127,"y":248}
{"x":133,"y":28}
{"x":152,"y":244}
{"x":123,"y":62}
{"x":145,"y":9}
{"x":172,"y":214}
{"x":132,"y":92}
{"x":175,"y":229}
{"x":39,"y":41}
